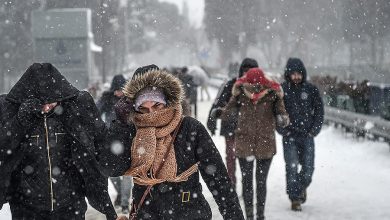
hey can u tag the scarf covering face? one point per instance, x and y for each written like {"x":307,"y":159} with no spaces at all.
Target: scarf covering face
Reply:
{"x":150,"y":145}
{"x":256,"y":85}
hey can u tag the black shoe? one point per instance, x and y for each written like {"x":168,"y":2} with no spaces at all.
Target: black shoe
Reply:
{"x":296,"y":206}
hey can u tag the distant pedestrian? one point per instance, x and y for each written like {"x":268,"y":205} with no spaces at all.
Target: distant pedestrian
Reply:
{"x":106,"y":109}
{"x":201,"y":79}
{"x":305,"y":108}
{"x":259,"y":103}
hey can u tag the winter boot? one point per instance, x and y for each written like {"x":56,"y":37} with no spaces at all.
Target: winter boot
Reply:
{"x":296,"y":206}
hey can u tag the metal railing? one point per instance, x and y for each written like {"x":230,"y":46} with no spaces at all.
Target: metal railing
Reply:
{"x":359,"y":123}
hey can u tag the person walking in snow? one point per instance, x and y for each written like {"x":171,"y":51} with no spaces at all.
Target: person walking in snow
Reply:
{"x":47,"y":159}
{"x":305,"y":108}
{"x":106,"y":109}
{"x":165,"y":151}
{"x":228,"y":124}
{"x":201,"y":79}
{"x":259,"y":101}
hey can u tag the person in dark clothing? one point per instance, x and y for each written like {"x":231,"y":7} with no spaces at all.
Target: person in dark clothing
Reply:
{"x":106,"y":109}
{"x":165,"y":151}
{"x":190,"y":90}
{"x":228,"y":125}
{"x":109,"y":98}
{"x":48,"y":153}
{"x":306,"y":111}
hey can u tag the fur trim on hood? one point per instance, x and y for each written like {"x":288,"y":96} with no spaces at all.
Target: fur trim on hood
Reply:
{"x":170,"y":85}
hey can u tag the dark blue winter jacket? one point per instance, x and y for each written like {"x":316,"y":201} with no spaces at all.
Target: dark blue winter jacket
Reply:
{"x":303,"y":104}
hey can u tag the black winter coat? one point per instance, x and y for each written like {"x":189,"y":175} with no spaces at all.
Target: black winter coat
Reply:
{"x":228,"y":125}
{"x":305,"y":108}
{"x":169,"y":200}
{"x":51,"y":162}
{"x":106,"y":106}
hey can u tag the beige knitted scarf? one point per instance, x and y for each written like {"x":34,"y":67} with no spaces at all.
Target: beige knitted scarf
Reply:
{"x":150,"y":145}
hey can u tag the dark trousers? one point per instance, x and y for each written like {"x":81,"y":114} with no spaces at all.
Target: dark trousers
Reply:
{"x":231,"y":158}
{"x":262,"y":168}
{"x":298,"y":151}
{"x":75,"y":211}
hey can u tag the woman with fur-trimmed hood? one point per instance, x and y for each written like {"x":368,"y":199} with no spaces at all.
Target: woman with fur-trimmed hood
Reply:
{"x":165,"y":151}
{"x":260,"y":106}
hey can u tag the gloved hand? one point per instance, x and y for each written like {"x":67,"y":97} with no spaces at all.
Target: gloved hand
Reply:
{"x":27,"y":112}
{"x":282,"y":120}
{"x":216,"y":113}
{"x":122,"y":109}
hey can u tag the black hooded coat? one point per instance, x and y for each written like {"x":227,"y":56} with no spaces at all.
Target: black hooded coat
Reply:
{"x":108,"y":100}
{"x":50,"y":161}
{"x":303,"y":103}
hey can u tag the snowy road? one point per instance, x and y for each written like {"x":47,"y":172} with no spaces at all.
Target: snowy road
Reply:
{"x":351,"y":180}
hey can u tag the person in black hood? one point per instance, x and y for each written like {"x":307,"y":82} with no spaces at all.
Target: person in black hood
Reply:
{"x":229,"y":125}
{"x":306,"y":111}
{"x":106,"y":108}
{"x":49,"y":141}
{"x":109,"y":98}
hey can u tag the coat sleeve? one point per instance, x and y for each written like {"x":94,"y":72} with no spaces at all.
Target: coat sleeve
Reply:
{"x":12,"y":133}
{"x":215,"y":175}
{"x":222,"y":99}
{"x":116,"y":155}
{"x":284,"y":131}
{"x":318,"y":116}
{"x":232,"y":107}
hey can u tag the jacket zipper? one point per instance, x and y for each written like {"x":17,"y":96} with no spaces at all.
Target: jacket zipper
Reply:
{"x":49,"y":160}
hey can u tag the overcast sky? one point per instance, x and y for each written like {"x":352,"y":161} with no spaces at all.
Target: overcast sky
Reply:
{"x":196,"y":9}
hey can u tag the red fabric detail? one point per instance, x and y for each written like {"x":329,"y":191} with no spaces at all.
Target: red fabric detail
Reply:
{"x":256,"y":76}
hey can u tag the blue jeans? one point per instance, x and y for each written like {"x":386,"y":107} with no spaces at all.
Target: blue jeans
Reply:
{"x":298,"y":151}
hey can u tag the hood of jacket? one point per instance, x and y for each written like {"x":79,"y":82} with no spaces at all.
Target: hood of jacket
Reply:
{"x":247,"y":64}
{"x":118,"y":81}
{"x":170,"y":85}
{"x":44,"y":82}
{"x":294,"y":65}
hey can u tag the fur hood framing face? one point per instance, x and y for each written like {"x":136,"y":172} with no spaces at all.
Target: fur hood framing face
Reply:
{"x":156,"y":79}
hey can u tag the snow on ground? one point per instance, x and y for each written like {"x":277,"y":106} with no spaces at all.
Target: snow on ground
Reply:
{"x":351,"y":179}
